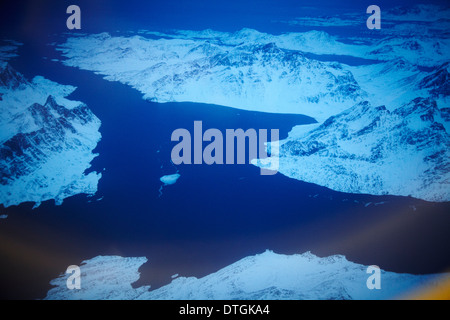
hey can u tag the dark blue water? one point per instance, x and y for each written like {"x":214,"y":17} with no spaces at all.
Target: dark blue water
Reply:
{"x":349,"y":60}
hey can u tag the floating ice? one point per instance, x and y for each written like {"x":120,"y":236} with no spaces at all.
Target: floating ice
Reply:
{"x":169,"y":179}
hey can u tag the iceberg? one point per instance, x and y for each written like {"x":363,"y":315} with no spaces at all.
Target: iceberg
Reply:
{"x":169,"y":179}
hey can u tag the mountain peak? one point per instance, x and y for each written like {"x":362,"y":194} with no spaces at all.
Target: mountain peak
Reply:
{"x":9,"y":77}
{"x":438,"y":81}
{"x":270,"y":47}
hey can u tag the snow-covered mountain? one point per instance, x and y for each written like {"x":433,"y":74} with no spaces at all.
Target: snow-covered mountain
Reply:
{"x":253,"y":70}
{"x":260,"y":277}
{"x":392,"y":83}
{"x":251,"y":76}
{"x":395,"y":143}
{"x":399,"y":149}
{"x":397,"y":82}
{"x":416,"y":43}
{"x":258,"y":71}
{"x":46,"y":141}
{"x":438,"y":82}
{"x":10,"y":78}
{"x":419,"y":50}
{"x":368,"y":149}
{"x":417,"y":33}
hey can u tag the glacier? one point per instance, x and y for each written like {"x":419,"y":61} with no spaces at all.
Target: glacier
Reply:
{"x":265,"y":276}
{"x":46,"y":140}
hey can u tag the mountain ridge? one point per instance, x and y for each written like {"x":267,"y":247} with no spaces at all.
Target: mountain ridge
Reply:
{"x":265,"y":276}
{"x":45,"y":146}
